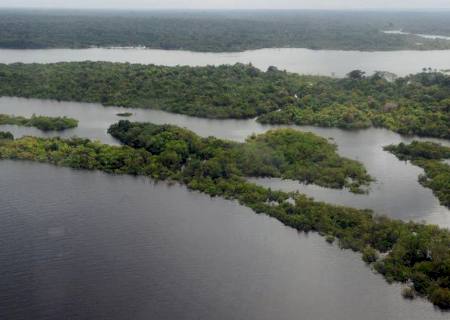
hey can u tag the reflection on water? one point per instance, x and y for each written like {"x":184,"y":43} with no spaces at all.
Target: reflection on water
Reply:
{"x":396,"y":192}
{"x":86,"y":245}
{"x":305,"y":61}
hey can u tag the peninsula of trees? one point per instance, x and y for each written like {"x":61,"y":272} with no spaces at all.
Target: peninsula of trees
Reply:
{"x":41,"y":122}
{"x":400,"y":251}
{"x":222,"y":31}
{"x":429,"y":156}
{"x":417,"y":104}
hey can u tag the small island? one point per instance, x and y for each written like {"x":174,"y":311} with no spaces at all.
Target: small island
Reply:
{"x":124,"y":114}
{"x":41,"y":122}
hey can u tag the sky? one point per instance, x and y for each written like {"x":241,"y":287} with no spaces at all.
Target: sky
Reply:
{"x":231,"y":4}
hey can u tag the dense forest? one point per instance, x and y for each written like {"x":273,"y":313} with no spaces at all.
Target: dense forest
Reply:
{"x":405,"y":252}
{"x":41,"y":122}
{"x":237,"y":91}
{"x":428,"y":156}
{"x":417,"y":104}
{"x":284,"y":153}
{"x":221,"y":30}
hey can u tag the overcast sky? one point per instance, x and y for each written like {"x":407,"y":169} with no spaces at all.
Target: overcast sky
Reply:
{"x":232,"y":4}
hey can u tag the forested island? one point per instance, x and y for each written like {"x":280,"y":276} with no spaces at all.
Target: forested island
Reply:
{"x":428,"y":156}
{"x":413,"y":105}
{"x":404,"y":252}
{"x":41,"y":122}
{"x":222,"y":31}
{"x":284,"y":153}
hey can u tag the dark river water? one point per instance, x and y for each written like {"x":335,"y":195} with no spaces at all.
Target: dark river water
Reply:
{"x":317,"y":62}
{"x":86,"y":245}
{"x":396,"y":191}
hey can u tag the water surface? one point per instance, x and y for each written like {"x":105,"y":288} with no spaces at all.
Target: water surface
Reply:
{"x":86,"y":245}
{"x":304,"y":61}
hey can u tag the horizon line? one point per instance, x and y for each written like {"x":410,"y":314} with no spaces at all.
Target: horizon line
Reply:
{"x":224,"y":9}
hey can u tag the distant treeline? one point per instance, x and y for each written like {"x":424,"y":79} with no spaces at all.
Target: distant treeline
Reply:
{"x":429,"y":156}
{"x":412,"y":253}
{"x":417,"y":104}
{"x":221,"y":31}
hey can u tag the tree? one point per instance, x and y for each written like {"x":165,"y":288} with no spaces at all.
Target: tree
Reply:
{"x":356,"y":74}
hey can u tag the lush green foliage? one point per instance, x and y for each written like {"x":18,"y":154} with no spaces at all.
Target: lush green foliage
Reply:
{"x":419,"y":150}
{"x":413,"y":252}
{"x":284,"y":153}
{"x":41,"y":122}
{"x":417,"y":104}
{"x":5,"y":135}
{"x":237,"y":91}
{"x":428,"y":155}
{"x":222,"y":31}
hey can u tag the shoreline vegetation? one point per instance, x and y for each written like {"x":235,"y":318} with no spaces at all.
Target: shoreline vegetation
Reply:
{"x":40,"y":122}
{"x":429,"y":156}
{"x":414,"y":105}
{"x":222,"y":31}
{"x":407,"y":252}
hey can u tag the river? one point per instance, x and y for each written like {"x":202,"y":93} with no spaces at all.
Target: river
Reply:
{"x":86,"y":245}
{"x":305,"y":61}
